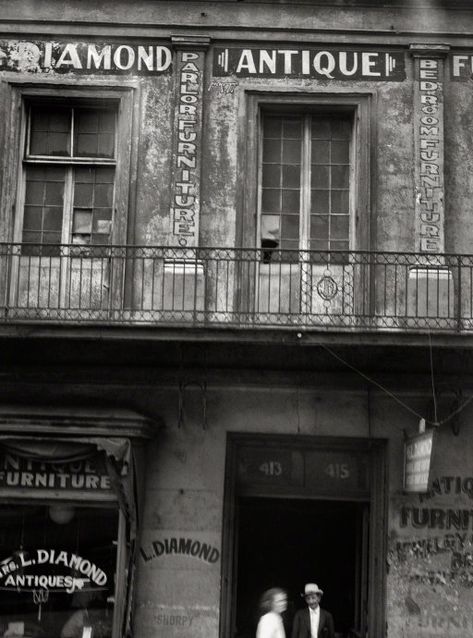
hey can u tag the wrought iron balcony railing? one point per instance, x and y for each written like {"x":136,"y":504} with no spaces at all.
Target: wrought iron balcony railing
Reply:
{"x":244,"y":288}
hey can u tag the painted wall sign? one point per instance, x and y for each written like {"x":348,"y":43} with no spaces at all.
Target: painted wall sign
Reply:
{"x":417,"y":462}
{"x":19,"y":571}
{"x":328,"y":64}
{"x":429,"y":149}
{"x":88,"y":475}
{"x":84,"y":57}
{"x":176,"y":620}
{"x":185,"y":209}
{"x":430,"y":576}
{"x":180,"y":546}
{"x":461,"y":66}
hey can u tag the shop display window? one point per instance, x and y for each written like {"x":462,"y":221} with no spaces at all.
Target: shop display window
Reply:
{"x":58,"y":563}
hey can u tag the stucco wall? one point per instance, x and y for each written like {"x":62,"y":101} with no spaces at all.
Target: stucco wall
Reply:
{"x":430,"y":561}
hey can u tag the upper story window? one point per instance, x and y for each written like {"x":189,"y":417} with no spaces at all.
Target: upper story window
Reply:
{"x":69,"y":175}
{"x":306,"y":181}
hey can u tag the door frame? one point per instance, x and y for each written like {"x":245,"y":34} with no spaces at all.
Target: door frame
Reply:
{"x":377,"y":532}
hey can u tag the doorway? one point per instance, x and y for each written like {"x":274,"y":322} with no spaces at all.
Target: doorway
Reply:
{"x":298,"y":510}
{"x":289,"y":542}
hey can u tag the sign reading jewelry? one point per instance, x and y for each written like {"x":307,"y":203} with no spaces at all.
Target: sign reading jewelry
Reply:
{"x":328,"y":64}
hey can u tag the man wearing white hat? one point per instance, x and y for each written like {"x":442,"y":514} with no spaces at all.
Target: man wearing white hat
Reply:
{"x":313,"y":622}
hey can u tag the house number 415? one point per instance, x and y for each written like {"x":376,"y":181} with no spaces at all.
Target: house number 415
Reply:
{"x":338,"y":470}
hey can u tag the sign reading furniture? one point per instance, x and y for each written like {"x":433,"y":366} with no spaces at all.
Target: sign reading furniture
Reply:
{"x":87,"y":474}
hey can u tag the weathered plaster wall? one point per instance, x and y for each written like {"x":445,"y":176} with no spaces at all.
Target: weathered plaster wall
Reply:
{"x":429,"y":563}
{"x":430,"y":560}
{"x":225,"y":176}
{"x":392,"y":171}
{"x":284,"y":16}
{"x":179,"y":595}
{"x":219,"y":172}
{"x":458,"y":167}
{"x":153,"y":222}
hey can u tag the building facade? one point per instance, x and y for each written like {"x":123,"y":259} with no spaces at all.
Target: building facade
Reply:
{"x":236,"y":314}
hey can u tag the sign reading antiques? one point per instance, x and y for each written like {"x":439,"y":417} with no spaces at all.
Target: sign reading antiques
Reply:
{"x":328,"y":64}
{"x":89,"y":474}
{"x":417,"y":462}
{"x":84,"y":57}
{"x":32,"y":570}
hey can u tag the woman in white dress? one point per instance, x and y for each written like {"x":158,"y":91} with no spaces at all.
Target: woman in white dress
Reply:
{"x":273,"y":603}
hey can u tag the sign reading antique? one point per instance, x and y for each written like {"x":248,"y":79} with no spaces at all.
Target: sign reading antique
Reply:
{"x":84,"y":57}
{"x":88,"y":474}
{"x":417,"y":461}
{"x":328,"y":64}
{"x":32,"y":570}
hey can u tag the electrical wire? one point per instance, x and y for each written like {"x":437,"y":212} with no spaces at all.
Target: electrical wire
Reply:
{"x":394,"y":396}
{"x":432,"y":378}
{"x":456,"y":411}
{"x":370,"y":380}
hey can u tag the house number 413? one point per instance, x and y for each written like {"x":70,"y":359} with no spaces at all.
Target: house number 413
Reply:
{"x":271,"y":468}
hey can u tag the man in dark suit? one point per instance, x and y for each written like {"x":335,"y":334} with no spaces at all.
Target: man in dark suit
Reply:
{"x":313,"y":622}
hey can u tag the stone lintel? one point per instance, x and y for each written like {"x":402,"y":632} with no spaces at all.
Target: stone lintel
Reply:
{"x":429,"y":50}
{"x":195,"y":42}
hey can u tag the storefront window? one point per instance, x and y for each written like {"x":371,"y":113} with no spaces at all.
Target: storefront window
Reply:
{"x":57,"y":569}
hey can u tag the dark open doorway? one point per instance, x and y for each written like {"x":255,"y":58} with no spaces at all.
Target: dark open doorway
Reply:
{"x":288,"y":542}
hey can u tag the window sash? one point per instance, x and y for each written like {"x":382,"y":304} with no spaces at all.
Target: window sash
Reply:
{"x":87,"y":202}
{"x":327,"y":177}
{"x":86,"y":209}
{"x":72,"y":135}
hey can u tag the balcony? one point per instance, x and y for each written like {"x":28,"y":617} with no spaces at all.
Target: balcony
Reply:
{"x":235,"y":288}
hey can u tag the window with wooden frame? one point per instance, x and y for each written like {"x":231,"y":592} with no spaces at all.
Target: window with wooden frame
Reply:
{"x":306,"y":171}
{"x":69,"y":162}
{"x":311,"y":156}
{"x":65,"y":199}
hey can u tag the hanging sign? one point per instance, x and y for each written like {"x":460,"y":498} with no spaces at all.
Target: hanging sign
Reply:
{"x":417,"y":462}
{"x":20,"y":472}
{"x":27,"y":571}
{"x":84,"y":57}
{"x":321,"y":64}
